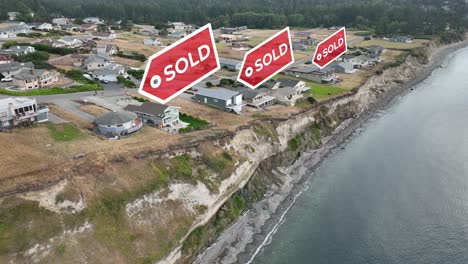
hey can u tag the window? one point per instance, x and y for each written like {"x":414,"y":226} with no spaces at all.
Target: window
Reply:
{"x":215,"y":100}
{"x":4,"y":114}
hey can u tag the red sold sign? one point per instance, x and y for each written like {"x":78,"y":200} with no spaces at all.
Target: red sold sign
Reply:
{"x":267,"y":59}
{"x":180,"y":66}
{"x":330,"y":49}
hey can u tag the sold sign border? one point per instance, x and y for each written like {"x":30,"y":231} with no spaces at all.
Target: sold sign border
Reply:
{"x":324,"y":41}
{"x":168,"y":49}
{"x":259,"y":46}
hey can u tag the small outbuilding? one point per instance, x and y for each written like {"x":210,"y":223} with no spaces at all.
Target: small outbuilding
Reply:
{"x":118,"y":123}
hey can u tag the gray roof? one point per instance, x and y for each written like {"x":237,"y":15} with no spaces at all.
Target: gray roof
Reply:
{"x":14,"y":28}
{"x":4,"y":103}
{"x":115,"y":118}
{"x":149,"y":108}
{"x":109,"y":69}
{"x":220,"y":93}
{"x":27,"y":74}
{"x":14,"y":49}
{"x":287,"y":91}
{"x":14,"y":66}
{"x":287,"y":82}
{"x":229,"y":61}
{"x":251,"y":93}
{"x":96,"y":58}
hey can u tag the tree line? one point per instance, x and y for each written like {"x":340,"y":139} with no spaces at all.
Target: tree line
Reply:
{"x":384,"y":17}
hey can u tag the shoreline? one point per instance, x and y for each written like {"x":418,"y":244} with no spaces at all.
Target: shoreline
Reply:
{"x":247,"y":235}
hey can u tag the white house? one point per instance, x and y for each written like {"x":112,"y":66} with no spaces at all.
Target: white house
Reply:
{"x":93,"y":20}
{"x":71,"y":41}
{"x":152,"y":42}
{"x":96,"y":62}
{"x":18,"y":50}
{"x":12,"y":15}
{"x":110,"y":73}
{"x":13,"y":30}
{"x":104,"y":35}
{"x":45,"y":26}
{"x":109,"y":49}
{"x":61,"y":21}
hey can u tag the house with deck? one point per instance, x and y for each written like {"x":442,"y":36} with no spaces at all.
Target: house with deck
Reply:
{"x":156,"y":114}
{"x":28,"y":79}
{"x":258,"y":98}
{"x":298,"y":85}
{"x":222,"y":98}
{"x":312,"y":73}
{"x":17,"y":111}
{"x":286,"y":96}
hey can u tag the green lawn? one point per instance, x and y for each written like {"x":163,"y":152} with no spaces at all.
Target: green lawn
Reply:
{"x":54,"y":90}
{"x":318,"y":91}
{"x":195,"y":123}
{"x":65,"y":132}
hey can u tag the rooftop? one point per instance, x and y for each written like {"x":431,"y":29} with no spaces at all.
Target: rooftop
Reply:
{"x":115,"y":118}
{"x":14,"y":66}
{"x":220,"y":93}
{"x":28,"y":74}
{"x":229,"y":61}
{"x":287,"y":82}
{"x":149,"y":108}
{"x":4,"y":103}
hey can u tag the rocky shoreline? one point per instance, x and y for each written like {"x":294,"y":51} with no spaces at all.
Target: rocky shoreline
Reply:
{"x":245,"y":237}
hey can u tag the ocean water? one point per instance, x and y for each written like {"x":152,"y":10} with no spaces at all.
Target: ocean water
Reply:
{"x":396,"y":193}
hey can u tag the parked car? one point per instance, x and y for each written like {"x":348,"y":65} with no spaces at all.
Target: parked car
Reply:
{"x":7,"y":79}
{"x":104,"y":81}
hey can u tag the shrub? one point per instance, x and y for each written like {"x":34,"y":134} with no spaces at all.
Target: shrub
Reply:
{"x":132,"y":55}
{"x":127,"y":83}
{"x":209,"y":84}
{"x":138,"y":74}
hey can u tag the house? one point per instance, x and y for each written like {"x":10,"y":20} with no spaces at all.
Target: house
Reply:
{"x":109,"y":73}
{"x":230,"y":64}
{"x":241,"y":46}
{"x":96,"y":62}
{"x":18,"y":50}
{"x":225,"y":30}
{"x":71,"y":42}
{"x":87,"y":27}
{"x":61,"y":21}
{"x":227,"y":38}
{"x":156,"y":114}
{"x":21,"y":110}
{"x":403,"y":39}
{"x":45,"y":26}
{"x":12,"y":68}
{"x":118,"y":123}
{"x":312,"y":73}
{"x":152,"y":42}
{"x":28,"y":79}
{"x":258,"y":97}
{"x":222,"y":98}
{"x":303,"y":34}
{"x":298,"y":85}
{"x":51,"y":42}
{"x":104,"y":36}
{"x":70,"y":28}
{"x":342,"y":67}
{"x":299,"y":46}
{"x":374,"y":51}
{"x":12,"y":15}
{"x":179,"y":26}
{"x":5,"y":58}
{"x":286,"y":96}
{"x":109,"y":49}
{"x":93,"y":20}
{"x":13,"y":30}
{"x":363,"y":60}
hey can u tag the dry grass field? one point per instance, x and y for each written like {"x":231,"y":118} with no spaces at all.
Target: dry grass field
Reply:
{"x":393,"y":45}
{"x":93,"y":109}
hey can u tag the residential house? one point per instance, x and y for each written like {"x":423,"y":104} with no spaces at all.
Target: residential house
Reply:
{"x":179,"y":26}
{"x":298,"y":85}
{"x":13,"y":30}
{"x":225,"y":30}
{"x":5,"y":58}
{"x":286,"y":96}
{"x":109,"y":73}
{"x":363,"y":60}
{"x":303,"y":34}
{"x":403,"y":39}
{"x":152,"y":42}
{"x":230,"y":64}
{"x":93,"y":20}
{"x":104,"y":36}
{"x":258,"y":97}
{"x":88,"y":27}
{"x":71,"y":28}
{"x":299,"y":46}
{"x":51,"y":42}
{"x":241,"y":46}
{"x":12,"y":68}
{"x":28,"y":79}
{"x":342,"y":67}
{"x":71,"y":41}
{"x":109,"y":49}
{"x":156,"y":114}
{"x":118,"y":123}
{"x":33,"y":25}
{"x":18,"y":50}
{"x":227,"y":38}
{"x":312,"y":73}
{"x":96,"y":62}
{"x":61,"y":21}
{"x":45,"y":26}
{"x":12,"y":15}
{"x":147,"y":30}
{"x":374,"y":51}
{"x":222,"y":98}
{"x":21,"y":110}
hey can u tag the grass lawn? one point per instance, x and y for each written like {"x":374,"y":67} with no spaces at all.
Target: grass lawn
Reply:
{"x":54,"y":90}
{"x":64,"y":132}
{"x":318,"y":91}
{"x":195,"y":123}
{"x":393,"y":45}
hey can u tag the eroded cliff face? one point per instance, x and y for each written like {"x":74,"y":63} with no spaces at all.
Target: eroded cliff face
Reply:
{"x":167,"y":207}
